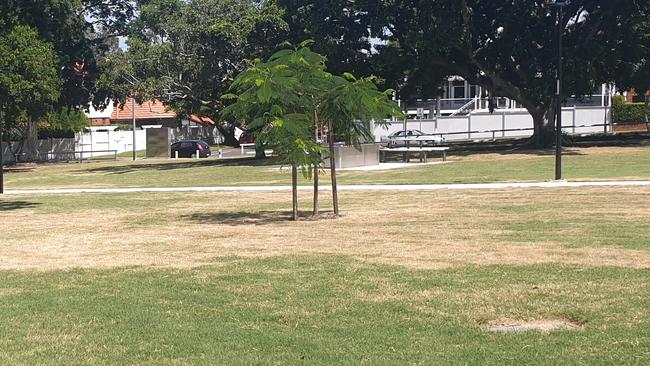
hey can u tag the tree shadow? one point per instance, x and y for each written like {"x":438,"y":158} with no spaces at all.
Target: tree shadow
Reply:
{"x":165,"y":166}
{"x":16,"y":205}
{"x":237,"y":218}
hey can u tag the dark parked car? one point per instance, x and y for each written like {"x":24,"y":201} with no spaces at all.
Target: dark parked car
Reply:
{"x":188,"y":149}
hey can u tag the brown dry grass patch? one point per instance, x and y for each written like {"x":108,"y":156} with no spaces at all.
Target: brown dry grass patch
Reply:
{"x":428,"y":230}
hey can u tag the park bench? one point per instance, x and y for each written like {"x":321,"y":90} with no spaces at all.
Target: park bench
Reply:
{"x":244,"y":146}
{"x":407,"y":151}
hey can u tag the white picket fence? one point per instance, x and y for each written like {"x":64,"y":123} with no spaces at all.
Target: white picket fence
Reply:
{"x":500,"y":124}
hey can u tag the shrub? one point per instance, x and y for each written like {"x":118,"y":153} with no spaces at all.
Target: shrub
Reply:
{"x":623,"y":112}
{"x":55,"y":133}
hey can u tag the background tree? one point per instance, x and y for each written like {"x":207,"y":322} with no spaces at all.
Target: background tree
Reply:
{"x":78,"y":31}
{"x":507,"y":47}
{"x":187,"y":53}
{"x":29,"y":79}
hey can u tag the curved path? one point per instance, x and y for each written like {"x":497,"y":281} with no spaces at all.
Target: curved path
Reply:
{"x":365,"y":187}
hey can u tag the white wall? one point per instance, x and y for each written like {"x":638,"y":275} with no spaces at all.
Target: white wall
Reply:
{"x":98,"y":141}
{"x":485,"y":125}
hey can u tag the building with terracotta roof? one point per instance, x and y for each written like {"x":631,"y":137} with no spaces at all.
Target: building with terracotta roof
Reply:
{"x":149,"y":113}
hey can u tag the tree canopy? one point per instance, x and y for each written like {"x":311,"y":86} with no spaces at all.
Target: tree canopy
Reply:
{"x":187,"y":53}
{"x":292,"y":96}
{"x":508,"y":47}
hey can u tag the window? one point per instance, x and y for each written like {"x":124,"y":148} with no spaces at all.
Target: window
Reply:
{"x":458,"y":89}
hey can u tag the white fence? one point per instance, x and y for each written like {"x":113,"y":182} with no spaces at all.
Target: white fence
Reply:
{"x":103,"y":143}
{"x":505,"y":123}
{"x":97,"y":143}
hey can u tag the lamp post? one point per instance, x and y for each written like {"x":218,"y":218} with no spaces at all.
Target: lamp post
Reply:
{"x":559,"y":4}
{"x":133,"y":120}
{"x":2,"y":170}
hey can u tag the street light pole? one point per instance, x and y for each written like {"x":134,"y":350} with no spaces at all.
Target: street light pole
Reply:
{"x":133,"y":116}
{"x":2,"y":170}
{"x":558,"y":125}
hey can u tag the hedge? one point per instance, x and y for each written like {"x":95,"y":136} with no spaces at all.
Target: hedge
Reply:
{"x":53,"y":133}
{"x":623,"y":112}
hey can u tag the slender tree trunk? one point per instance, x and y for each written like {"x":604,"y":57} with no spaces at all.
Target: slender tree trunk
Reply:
{"x":335,"y":193}
{"x":260,"y":152}
{"x":30,"y":148}
{"x":316,"y":211}
{"x":294,"y":189}
{"x":2,"y":171}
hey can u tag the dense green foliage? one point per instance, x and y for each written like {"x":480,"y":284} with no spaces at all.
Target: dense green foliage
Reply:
{"x":508,"y":47}
{"x":186,"y":53}
{"x":29,"y":80}
{"x":623,"y":112}
{"x":54,"y":45}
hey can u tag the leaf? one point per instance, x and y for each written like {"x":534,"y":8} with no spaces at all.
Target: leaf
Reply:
{"x":265,"y":92}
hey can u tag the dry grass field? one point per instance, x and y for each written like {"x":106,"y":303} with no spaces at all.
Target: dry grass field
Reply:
{"x":430,"y":230}
{"x":401,"y":278}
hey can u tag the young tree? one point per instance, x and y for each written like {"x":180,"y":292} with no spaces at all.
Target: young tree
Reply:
{"x":273,"y":99}
{"x":350,"y":107}
{"x":292,"y":95}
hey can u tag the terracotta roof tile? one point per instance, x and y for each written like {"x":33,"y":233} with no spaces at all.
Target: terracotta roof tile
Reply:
{"x":152,"y":109}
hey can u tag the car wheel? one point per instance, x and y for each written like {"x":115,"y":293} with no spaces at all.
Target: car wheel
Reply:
{"x":193,"y":156}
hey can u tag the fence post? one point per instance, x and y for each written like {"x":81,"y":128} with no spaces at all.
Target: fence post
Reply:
{"x":503,"y":124}
{"x":574,"y":120}
{"x":469,"y":126}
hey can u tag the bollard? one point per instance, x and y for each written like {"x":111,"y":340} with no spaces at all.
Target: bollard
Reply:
{"x":220,"y":154}
{"x":176,"y":154}
{"x":197,"y":154}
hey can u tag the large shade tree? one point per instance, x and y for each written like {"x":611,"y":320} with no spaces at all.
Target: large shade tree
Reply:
{"x":78,"y":32}
{"x":187,"y":53}
{"x":508,"y":47}
{"x":29,"y":79}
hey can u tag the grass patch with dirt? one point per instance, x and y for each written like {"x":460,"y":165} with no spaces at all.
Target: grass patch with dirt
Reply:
{"x":402,"y":278}
{"x":323,"y":310}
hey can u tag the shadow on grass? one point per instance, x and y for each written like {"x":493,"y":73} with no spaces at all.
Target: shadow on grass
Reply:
{"x":459,"y":151}
{"x":237,"y":218}
{"x":16,"y":205}
{"x":164,"y":166}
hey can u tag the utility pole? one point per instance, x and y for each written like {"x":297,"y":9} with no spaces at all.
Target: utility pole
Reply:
{"x":2,"y":170}
{"x":558,"y":124}
{"x":133,"y":116}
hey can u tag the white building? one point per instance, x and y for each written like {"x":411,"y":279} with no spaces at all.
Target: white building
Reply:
{"x":460,"y":98}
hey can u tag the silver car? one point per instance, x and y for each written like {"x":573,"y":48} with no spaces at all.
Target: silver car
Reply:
{"x":410,"y":138}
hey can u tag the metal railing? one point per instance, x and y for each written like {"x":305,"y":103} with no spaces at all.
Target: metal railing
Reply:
{"x":441,"y":135}
{"x":82,"y":155}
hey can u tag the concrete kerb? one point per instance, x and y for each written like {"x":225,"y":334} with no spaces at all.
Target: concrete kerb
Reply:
{"x":364,"y":187}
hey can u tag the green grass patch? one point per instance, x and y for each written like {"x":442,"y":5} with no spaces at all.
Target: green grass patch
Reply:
{"x":579,"y":164}
{"x":322,"y":310}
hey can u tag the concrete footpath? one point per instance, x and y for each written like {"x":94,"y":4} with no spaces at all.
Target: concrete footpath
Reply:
{"x":363,"y":187}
